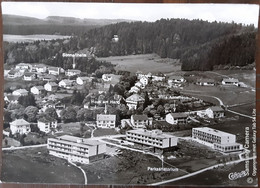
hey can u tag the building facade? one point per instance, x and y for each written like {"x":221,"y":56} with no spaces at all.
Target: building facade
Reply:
{"x":46,"y":124}
{"x":155,"y":139}
{"x":76,"y":149}
{"x":218,"y":140}
{"x":140,"y":121}
{"x":20,"y":126}
{"x":106,"y":120}
{"x":176,"y":118}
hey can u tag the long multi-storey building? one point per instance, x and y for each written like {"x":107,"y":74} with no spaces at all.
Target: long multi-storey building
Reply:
{"x":155,"y":139}
{"x":76,"y":149}
{"x":218,"y":140}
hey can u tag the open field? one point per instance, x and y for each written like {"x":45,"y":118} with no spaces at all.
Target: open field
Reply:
{"x":35,"y":165}
{"x":31,"y":38}
{"x":218,"y":176}
{"x":145,"y":63}
{"x":104,"y":132}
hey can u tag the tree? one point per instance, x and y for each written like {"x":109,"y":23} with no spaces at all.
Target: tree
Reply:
{"x":27,"y":100}
{"x":68,"y":114}
{"x":52,"y":113}
{"x":84,"y":115}
{"x":31,"y":113}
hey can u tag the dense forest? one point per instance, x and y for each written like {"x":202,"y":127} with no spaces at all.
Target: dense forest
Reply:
{"x":200,"y":45}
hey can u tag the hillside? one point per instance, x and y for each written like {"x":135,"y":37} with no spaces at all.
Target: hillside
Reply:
{"x":22,"y":25}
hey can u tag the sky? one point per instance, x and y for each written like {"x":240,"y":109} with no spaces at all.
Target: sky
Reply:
{"x":239,"y":13}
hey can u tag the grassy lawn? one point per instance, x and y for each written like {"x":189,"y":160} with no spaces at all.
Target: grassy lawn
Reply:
{"x":72,"y":128}
{"x":35,"y":165}
{"x":217,"y":177}
{"x":127,"y":168}
{"x":145,"y":63}
{"x":104,"y":132}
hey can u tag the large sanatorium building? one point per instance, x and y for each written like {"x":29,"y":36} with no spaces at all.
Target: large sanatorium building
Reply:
{"x":76,"y":149}
{"x":155,"y":139}
{"x":218,"y":140}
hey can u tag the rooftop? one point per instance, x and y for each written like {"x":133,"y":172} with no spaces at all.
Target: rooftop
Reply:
{"x":154,"y":133}
{"x":140,"y":117}
{"x":19,"y":122}
{"x":88,"y":142}
{"x":106,"y":117}
{"x":216,"y":108}
{"x":135,"y":98}
{"x":212,"y":131}
{"x":230,"y":80}
{"x":47,"y":119}
{"x":179,"y":115}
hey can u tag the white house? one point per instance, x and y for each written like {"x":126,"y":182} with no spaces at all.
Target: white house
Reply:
{"x":11,"y":98}
{"x":29,"y":76}
{"x":23,"y":66}
{"x":37,"y":90}
{"x":49,"y":78}
{"x":144,"y":80}
{"x":106,"y":120}
{"x":230,"y":82}
{"x":20,"y":92}
{"x":14,"y":74}
{"x":66,"y":83}
{"x":72,"y":72}
{"x":46,"y":124}
{"x":158,"y":77}
{"x":115,"y":38}
{"x":20,"y":126}
{"x":176,"y":118}
{"x":175,"y":79}
{"x":134,"y":101}
{"x":140,"y":121}
{"x":40,"y":68}
{"x":50,"y":86}
{"x":134,"y":89}
{"x":206,"y":82}
{"x":82,"y":80}
{"x":215,"y":112}
{"x":54,"y":70}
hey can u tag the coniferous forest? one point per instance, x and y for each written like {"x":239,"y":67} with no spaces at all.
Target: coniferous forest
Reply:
{"x":200,"y":45}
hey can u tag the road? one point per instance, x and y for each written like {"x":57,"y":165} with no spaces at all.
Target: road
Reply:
{"x":84,"y":173}
{"x":24,"y":147}
{"x":202,"y":170}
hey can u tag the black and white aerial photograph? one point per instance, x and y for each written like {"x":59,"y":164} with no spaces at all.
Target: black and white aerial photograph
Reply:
{"x":129,"y":94}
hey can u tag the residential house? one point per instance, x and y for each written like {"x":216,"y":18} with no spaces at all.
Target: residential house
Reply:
{"x":82,"y":80}
{"x":134,"y":101}
{"x":20,"y":126}
{"x":72,"y":72}
{"x":158,"y":77}
{"x":23,"y":67}
{"x":144,"y":80}
{"x":106,"y":121}
{"x":37,"y":90}
{"x":176,"y":118}
{"x":76,"y":149}
{"x":155,"y":140}
{"x":29,"y":76}
{"x":46,"y":124}
{"x":51,"y":86}
{"x":11,"y":98}
{"x":230,"y":82}
{"x":66,"y":83}
{"x":115,"y":38}
{"x":54,"y":70}
{"x":175,"y":80}
{"x":218,"y":140}
{"x":140,"y":121}
{"x":215,"y":112}
{"x":40,"y":68}
{"x":111,"y":79}
{"x":134,"y":89}
{"x":49,"y":78}
{"x":20,"y":92}
{"x":14,"y":74}
{"x":206,"y":82}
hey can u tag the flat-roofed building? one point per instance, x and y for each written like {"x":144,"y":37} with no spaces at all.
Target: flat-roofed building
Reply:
{"x":155,"y":138}
{"x":106,"y":120}
{"x":76,"y":149}
{"x":218,"y":140}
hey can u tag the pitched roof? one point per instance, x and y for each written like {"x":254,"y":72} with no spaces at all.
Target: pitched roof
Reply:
{"x":140,"y":117}
{"x":21,"y":91}
{"x":54,"y":68}
{"x":230,"y":80}
{"x":29,"y":73}
{"x":206,"y":80}
{"x":39,"y":87}
{"x":74,"y":70}
{"x":52,"y":84}
{"x":179,"y":115}
{"x":106,"y":117}
{"x":135,"y":98}
{"x":216,"y":108}
{"x":175,"y":77}
{"x":19,"y":122}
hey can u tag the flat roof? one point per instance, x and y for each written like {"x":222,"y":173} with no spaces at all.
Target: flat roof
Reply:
{"x":83,"y":141}
{"x":213,"y":131}
{"x":154,"y":133}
